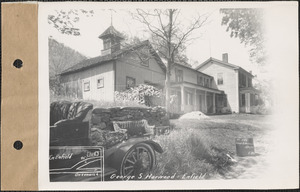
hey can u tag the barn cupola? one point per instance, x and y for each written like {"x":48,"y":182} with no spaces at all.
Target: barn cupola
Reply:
{"x":111,"y":40}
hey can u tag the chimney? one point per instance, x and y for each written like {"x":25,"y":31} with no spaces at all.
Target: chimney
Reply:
{"x":225,"y":57}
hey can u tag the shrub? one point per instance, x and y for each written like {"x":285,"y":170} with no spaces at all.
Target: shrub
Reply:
{"x":263,"y":109}
{"x":142,"y":94}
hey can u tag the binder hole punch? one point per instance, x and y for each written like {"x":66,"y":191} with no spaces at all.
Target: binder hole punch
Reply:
{"x":18,"y":145}
{"x":18,"y":63}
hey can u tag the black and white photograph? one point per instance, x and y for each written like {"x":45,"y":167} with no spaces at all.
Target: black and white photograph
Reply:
{"x":146,"y":93}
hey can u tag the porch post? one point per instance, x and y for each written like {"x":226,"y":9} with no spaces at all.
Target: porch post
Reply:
{"x":214,"y":103}
{"x":182,"y":97}
{"x":205,"y":104}
{"x":195,"y":99}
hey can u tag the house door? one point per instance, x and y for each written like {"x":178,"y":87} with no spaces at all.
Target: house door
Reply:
{"x":201,"y":103}
{"x":209,"y":100}
{"x":178,"y":101}
{"x":247,"y":107}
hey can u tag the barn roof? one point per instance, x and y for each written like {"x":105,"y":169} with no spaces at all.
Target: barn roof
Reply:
{"x":111,"y":31}
{"x":95,"y":61}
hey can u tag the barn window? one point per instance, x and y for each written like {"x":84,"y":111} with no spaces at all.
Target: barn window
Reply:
{"x":86,"y":86}
{"x":130,"y":82}
{"x":144,"y":57}
{"x":100,"y":82}
{"x":106,"y":44}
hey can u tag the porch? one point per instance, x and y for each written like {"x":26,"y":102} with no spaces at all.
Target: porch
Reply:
{"x":249,"y":98}
{"x":192,"y":97}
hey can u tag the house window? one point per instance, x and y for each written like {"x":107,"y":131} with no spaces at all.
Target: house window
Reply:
{"x":86,"y":86}
{"x":199,"y":80}
{"x":178,"y":75}
{"x":225,"y":101}
{"x":221,"y":100}
{"x":256,"y":100}
{"x":100,"y":82}
{"x":249,"y":82}
{"x":252,"y":99}
{"x":206,"y":82}
{"x":189,"y":98}
{"x":220,"y":78}
{"x":242,"y":80}
{"x":130,"y":82}
{"x":243,"y":103}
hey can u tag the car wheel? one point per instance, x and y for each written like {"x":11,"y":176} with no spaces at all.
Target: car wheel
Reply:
{"x":139,"y":159}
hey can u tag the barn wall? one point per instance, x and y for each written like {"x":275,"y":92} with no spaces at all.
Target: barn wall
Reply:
{"x":76,"y":82}
{"x":130,"y":65}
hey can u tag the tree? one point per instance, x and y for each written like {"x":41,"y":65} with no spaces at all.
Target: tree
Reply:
{"x":179,"y":55}
{"x":65,"y":21}
{"x":169,"y":35}
{"x":61,"y":57}
{"x":247,"y":25}
{"x":265,"y":88}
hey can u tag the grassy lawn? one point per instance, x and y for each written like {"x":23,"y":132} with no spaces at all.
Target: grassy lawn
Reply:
{"x":199,"y":147}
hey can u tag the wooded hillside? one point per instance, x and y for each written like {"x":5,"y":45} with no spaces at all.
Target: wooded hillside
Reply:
{"x":61,"y":57}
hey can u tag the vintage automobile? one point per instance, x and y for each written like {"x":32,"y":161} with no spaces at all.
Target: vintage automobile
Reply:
{"x":75,"y":157}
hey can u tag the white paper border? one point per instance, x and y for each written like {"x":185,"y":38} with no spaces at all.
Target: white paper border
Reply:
{"x":287,"y":164}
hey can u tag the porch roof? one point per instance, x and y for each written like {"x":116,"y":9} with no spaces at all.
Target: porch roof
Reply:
{"x":195,"y":86}
{"x":248,"y":90}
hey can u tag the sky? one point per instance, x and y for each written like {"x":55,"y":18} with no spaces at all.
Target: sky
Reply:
{"x":213,"y":39}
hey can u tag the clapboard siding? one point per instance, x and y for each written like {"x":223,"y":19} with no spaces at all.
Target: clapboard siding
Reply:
{"x":91,"y":75}
{"x":230,"y":82}
{"x":131,"y":66}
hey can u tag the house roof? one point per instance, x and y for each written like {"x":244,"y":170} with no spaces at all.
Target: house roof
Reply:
{"x":223,"y":63}
{"x":95,"y":61}
{"x":190,"y":68}
{"x":111,"y":31}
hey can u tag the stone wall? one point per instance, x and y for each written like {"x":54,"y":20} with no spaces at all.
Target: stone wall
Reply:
{"x":102,"y":117}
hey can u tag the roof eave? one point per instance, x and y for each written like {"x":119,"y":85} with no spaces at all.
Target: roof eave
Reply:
{"x":194,"y":70}
{"x":85,"y":68}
